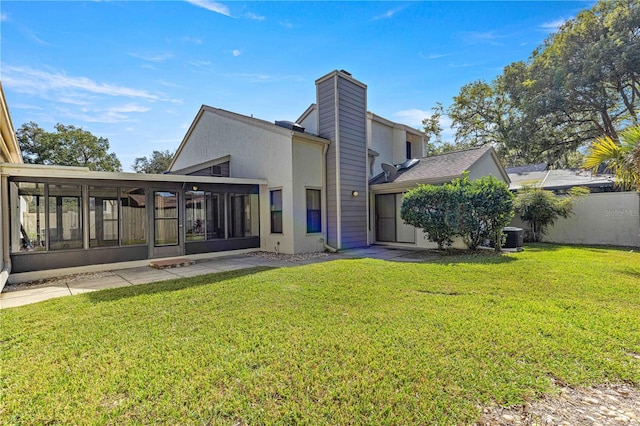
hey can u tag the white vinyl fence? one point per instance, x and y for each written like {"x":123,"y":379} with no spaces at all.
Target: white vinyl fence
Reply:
{"x":608,"y":218}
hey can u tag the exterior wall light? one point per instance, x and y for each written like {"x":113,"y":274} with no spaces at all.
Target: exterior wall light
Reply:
{"x":354,"y":193}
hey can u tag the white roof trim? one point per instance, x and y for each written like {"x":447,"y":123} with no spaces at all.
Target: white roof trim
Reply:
{"x":63,"y":172}
{"x":200,"y":166}
{"x":375,"y":117}
{"x":343,"y":75}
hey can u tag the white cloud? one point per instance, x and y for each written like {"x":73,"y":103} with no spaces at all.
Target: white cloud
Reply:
{"x":194,"y":40}
{"x":432,"y":56}
{"x":200,"y":63}
{"x":236,"y":52}
{"x":255,"y":17}
{"x":211,"y":6}
{"x":28,"y":80}
{"x":109,"y":115}
{"x":264,"y":78}
{"x":128,"y":108}
{"x":287,"y":24}
{"x":152,"y":58}
{"x":553,"y":25}
{"x":413,"y":117}
{"x":26,"y":106}
{"x":388,"y":14}
{"x":477,"y":37}
{"x":4,"y":17}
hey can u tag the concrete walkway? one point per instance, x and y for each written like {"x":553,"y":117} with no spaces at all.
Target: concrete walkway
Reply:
{"x":18,"y":295}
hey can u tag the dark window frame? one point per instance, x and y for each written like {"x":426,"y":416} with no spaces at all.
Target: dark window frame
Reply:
{"x":314,"y":216}
{"x":275,"y":211}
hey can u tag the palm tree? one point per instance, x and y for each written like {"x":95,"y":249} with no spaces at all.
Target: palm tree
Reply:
{"x":622,"y":158}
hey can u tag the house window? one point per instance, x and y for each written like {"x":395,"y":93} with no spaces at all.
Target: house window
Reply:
{"x":215,"y":215}
{"x":243,"y":215}
{"x":216,"y":170}
{"x":103,"y":216}
{"x":314,"y":211}
{"x":409,"y":155}
{"x":133,"y":216}
{"x":195,"y":215}
{"x":166,"y":218}
{"x":65,"y":212}
{"x":276,"y":211}
{"x":29,"y":225}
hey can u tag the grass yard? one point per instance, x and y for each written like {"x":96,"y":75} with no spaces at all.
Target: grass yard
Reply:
{"x":342,"y":342}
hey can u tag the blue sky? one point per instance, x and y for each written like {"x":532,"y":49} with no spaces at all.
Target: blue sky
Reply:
{"x":137,"y":72}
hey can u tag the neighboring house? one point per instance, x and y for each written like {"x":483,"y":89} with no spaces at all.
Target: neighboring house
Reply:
{"x":560,"y":180}
{"x":324,"y":171}
{"x":9,"y":153}
{"x":606,"y":216}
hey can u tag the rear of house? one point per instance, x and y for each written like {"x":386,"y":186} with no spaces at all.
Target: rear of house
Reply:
{"x":237,"y":183}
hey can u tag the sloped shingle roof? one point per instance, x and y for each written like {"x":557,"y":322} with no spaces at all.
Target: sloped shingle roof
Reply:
{"x":442,"y":167}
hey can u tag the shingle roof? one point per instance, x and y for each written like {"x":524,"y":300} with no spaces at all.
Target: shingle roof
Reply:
{"x":540,"y":167}
{"x":442,"y":167}
{"x":560,"y":179}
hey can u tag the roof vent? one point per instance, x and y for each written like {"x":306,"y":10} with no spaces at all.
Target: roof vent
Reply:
{"x":389,"y":170}
{"x":345,"y":72}
{"x":290,"y":125}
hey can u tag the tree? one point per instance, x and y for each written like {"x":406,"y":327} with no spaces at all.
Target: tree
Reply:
{"x":485,"y":208}
{"x":583,"y":82}
{"x":433,"y":130}
{"x":622,"y":158}
{"x":67,"y":146}
{"x":158,"y":162}
{"x":431,"y":209}
{"x":541,"y":208}
{"x":474,"y":210}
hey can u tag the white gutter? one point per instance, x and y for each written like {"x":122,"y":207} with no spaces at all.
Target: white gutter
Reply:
{"x":40,"y":171}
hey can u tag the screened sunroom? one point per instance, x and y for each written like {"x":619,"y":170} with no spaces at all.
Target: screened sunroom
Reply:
{"x":63,"y":217}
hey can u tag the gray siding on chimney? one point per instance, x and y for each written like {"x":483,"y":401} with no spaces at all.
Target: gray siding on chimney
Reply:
{"x":352,"y":129}
{"x":348,"y":152}
{"x":327,"y":129}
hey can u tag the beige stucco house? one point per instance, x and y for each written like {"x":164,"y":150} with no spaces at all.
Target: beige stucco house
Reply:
{"x":326,"y":184}
{"x":332,"y":180}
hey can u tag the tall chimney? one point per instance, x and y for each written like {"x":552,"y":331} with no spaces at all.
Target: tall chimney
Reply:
{"x":342,"y":118}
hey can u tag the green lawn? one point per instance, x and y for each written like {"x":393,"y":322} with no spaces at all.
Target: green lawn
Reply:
{"x":341,"y":342}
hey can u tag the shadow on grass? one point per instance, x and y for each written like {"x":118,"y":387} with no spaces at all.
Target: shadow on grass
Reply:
{"x":590,"y":248}
{"x":171,"y":285}
{"x":632,"y":273}
{"x":476,"y":259}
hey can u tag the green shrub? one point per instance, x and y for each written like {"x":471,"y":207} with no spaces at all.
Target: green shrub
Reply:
{"x":474,"y":210}
{"x":541,"y":208}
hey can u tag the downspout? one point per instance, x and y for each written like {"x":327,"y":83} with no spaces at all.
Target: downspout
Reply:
{"x":6,"y":259}
{"x":323,"y":240}
{"x":328,"y":247}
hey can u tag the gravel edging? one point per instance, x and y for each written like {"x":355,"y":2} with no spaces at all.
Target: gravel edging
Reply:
{"x":606,"y":405}
{"x":287,"y":257}
{"x":65,"y":279}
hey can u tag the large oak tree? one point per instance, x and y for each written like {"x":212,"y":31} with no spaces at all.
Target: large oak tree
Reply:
{"x":67,"y":146}
{"x":583,"y":82}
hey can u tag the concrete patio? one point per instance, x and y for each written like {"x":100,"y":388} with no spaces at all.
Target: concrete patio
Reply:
{"x":52,"y":286}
